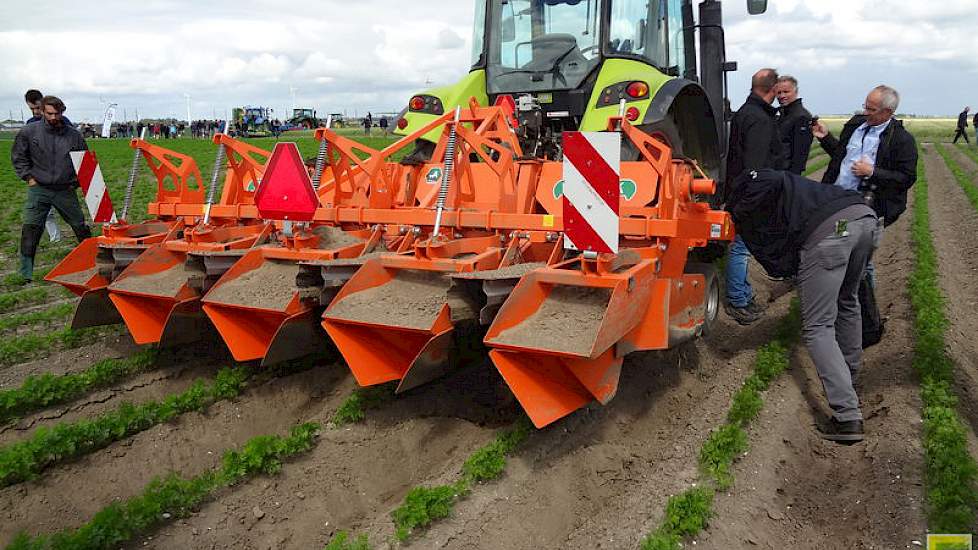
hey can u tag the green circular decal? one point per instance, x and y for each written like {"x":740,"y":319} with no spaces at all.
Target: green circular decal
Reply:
{"x":628,"y":189}
{"x":559,"y":189}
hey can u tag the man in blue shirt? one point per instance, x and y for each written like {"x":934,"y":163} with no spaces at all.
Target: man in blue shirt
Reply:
{"x":874,"y":155}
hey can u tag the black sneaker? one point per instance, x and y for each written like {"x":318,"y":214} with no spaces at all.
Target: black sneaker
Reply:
{"x":848,"y":432}
{"x":742,"y":315}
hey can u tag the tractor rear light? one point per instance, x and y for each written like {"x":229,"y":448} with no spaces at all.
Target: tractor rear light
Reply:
{"x":402,"y":123}
{"x":632,"y":114}
{"x":637,"y":90}
{"x":417,"y":103}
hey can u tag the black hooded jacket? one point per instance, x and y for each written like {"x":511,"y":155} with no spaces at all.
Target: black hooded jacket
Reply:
{"x":754,"y":140}
{"x":896,"y":165}
{"x":775,"y":212}
{"x":795,"y":127}
{"x":963,"y":120}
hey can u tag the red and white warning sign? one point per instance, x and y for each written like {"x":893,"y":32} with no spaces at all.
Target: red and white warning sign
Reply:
{"x":592,"y":190}
{"x":93,"y":186}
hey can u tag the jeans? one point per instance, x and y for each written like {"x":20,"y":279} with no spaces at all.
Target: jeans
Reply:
{"x":739,"y":291}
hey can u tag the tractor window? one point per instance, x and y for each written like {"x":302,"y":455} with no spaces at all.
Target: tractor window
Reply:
{"x":677,"y":47}
{"x":539,"y":45}
{"x":479,"y":34}
{"x":638,"y":28}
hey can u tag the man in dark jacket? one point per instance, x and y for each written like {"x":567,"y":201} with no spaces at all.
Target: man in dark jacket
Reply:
{"x":962,"y":126}
{"x":33,"y":99}
{"x":754,"y":145}
{"x":875,"y":153}
{"x":40,"y":158}
{"x":823,"y":236}
{"x":794,"y":125}
{"x":974,"y":124}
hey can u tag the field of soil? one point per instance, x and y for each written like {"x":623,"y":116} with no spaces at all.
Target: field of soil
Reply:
{"x":599,"y":478}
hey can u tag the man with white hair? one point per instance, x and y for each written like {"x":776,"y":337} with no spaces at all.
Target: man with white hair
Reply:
{"x":874,"y":154}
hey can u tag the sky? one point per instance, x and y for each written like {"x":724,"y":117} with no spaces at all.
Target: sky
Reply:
{"x":354,"y":56}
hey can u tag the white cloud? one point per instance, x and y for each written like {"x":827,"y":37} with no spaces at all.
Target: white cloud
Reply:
{"x":373,"y":54}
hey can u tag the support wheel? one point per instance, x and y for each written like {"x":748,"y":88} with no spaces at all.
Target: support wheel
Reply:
{"x":711,"y":302}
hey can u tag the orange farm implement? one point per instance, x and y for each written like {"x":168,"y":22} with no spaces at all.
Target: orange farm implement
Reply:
{"x":400,"y":262}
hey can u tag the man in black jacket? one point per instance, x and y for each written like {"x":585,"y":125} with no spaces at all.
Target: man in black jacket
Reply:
{"x":794,"y":125}
{"x":974,"y":124}
{"x":874,"y":153}
{"x":962,"y":126}
{"x":754,"y":145}
{"x":823,"y":236}
{"x":40,"y":158}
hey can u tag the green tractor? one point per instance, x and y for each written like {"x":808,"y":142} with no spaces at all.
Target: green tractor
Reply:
{"x":304,"y":118}
{"x":572,"y":64}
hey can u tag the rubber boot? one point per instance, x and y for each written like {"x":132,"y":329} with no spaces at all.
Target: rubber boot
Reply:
{"x":26,"y":268}
{"x":30,"y":236}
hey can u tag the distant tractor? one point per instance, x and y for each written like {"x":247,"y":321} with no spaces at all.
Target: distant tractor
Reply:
{"x":253,"y":121}
{"x":304,"y":118}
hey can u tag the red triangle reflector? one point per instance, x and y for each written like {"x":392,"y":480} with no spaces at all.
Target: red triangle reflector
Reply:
{"x":286,"y":191}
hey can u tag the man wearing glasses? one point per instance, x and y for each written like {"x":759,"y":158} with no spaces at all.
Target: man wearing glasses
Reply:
{"x":874,"y":154}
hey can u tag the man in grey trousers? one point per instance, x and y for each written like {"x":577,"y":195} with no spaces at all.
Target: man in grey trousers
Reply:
{"x":824,"y":236}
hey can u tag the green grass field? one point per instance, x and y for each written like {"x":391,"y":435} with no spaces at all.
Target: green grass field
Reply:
{"x":115,"y":158}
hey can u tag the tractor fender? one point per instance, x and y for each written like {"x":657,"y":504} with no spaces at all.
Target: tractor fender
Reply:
{"x":682,"y":113}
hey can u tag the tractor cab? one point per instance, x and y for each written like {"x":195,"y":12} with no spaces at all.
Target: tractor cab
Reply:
{"x":534,"y":46}
{"x":573,"y":64}
{"x":303,"y":113}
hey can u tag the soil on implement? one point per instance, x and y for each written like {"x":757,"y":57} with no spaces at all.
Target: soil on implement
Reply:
{"x":334,"y":237}
{"x":164,"y":283}
{"x":568,"y":320}
{"x":270,"y":286}
{"x":410,"y":300}
{"x":79,"y":277}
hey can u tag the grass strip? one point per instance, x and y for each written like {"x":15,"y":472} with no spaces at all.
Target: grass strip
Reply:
{"x":424,"y":505}
{"x":355,"y":407}
{"x":21,"y":298}
{"x":48,"y":446}
{"x":29,"y":346}
{"x":817,"y":165}
{"x":952,"y":494}
{"x":969,"y":151}
{"x":58,"y":312}
{"x":170,"y":497}
{"x":689,"y":512}
{"x":342,"y":541}
{"x":960,"y":176}
{"x":39,"y":392}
